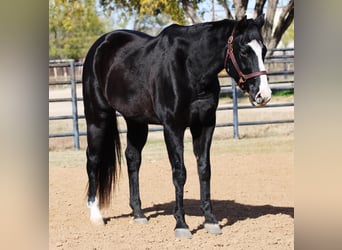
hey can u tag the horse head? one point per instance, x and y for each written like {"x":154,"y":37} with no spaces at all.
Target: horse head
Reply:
{"x":245,"y":59}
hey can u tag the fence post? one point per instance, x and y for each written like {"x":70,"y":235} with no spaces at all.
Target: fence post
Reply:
{"x":74,"y":105}
{"x":235,"y":110}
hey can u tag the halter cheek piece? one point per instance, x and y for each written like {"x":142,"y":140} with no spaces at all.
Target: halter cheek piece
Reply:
{"x":230,"y":55}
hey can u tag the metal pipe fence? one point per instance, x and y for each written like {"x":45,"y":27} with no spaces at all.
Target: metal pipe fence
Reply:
{"x":280,"y":67}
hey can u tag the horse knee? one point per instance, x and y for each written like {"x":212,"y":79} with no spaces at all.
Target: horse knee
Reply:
{"x":179,"y":177}
{"x":204,"y":172}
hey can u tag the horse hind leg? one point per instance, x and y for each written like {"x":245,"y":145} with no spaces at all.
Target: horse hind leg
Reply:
{"x":136,"y":139}
{"x":93,"y":162}
{"x":102,"y":138}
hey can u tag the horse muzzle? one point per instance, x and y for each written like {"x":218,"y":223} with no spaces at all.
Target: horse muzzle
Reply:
{"x":261,"y":98}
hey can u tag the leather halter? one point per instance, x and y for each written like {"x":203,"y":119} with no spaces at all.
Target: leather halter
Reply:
{"x":230,"y":54}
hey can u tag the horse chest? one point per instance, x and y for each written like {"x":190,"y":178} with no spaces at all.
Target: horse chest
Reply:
{"x":203,"y":108}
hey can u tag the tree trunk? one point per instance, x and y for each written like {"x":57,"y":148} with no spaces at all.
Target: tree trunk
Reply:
{"x":268,"y":27}
{"x":225,"y":6}
{"x":190,"y":11}
{"x":259,"y":7}
{"x":212,"y":10}
{"x":285,"y":20}
{"x":240,"y":8}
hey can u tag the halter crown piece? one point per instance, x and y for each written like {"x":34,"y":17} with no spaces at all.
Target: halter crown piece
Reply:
{"x":230,"y":55}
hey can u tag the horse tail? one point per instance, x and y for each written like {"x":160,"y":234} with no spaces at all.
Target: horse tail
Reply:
{"x":107,"y":172}
{"x":104,"y":147}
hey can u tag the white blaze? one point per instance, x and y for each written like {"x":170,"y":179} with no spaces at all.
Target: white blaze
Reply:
{"x":264,"y":89}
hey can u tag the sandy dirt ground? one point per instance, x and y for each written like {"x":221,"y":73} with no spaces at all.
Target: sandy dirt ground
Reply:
{"x":252,"y":193}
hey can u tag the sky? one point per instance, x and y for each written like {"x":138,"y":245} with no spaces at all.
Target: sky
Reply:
{"x":219,"y":11}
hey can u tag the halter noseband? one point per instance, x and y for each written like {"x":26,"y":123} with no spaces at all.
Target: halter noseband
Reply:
{"x":230,"y":54}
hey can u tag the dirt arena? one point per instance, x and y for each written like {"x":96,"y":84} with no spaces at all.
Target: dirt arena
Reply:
{"x":252,"y":193}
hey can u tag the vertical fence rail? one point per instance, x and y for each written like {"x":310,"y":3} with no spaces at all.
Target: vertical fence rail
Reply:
{"x":74,"y":105}
{"x":235,"y":110}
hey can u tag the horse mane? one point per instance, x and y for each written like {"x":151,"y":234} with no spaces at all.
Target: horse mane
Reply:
{"x":194,"y":29}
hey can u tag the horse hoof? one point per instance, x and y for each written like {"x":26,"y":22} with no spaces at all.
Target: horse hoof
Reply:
{"x":95,"y":214}
{"x":213,"y":228}
{"x":97,"y":220}
{"x":140,"y":221}
{"x":183,"y":233}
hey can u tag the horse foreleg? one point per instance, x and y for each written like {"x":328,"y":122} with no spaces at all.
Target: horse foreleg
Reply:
{"x":175,"y":148}
{"x":136,"y":139}
{"x":202,"y":136}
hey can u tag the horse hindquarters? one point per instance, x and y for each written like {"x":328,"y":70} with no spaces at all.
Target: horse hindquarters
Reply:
{"x":103,"y":150}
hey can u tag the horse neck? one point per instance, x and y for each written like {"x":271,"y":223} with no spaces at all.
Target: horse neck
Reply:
{"x":211,"y":50}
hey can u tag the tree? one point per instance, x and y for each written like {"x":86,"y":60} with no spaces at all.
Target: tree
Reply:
{"x":259,"y":7}
{"x":186,"y":11}
{"x":272,"y":32}
{"x":73,"y":27}
{"x":240,"y":8}
{"x":285,"y":19}
{"x":226,"y":8}
{"x":179,"y":11}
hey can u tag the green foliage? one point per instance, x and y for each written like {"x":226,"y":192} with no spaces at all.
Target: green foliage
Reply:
{"x":288,"y":36}
{"x":285,"y":92}
{"x":172,"y":8}
{"x":73,"y":27}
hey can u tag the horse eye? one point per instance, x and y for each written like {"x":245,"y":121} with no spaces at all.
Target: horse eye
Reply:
{"x":243,"y":53}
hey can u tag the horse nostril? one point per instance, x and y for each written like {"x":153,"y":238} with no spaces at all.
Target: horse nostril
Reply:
{"x":261,"y":100}
{"x":258,"y":98}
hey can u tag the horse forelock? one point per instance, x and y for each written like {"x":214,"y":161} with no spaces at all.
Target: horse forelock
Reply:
{"x":249,"y":33}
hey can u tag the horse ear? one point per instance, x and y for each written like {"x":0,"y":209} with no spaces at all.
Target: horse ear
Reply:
{"x":243,"y":22}
{"x":260,"y":20}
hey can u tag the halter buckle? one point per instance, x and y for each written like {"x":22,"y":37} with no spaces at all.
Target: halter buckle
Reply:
{"x":242,"y":79}
{"x":230,"y":39}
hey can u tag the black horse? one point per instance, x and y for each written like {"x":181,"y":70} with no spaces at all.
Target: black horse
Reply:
{"x":172,"y":80}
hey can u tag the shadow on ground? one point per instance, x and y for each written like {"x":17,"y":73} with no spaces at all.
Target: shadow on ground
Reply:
{"x":229,"y":210}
